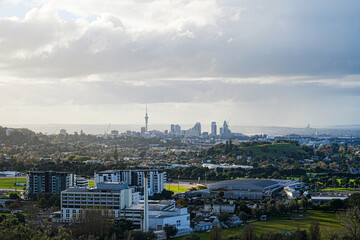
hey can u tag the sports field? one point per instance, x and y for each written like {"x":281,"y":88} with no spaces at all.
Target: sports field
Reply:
{"x":175,"y":188}
{"x":9,"y":182}
{"x":339,"y":189}
{"x":328,"y":222}
{"x":91,"y":183}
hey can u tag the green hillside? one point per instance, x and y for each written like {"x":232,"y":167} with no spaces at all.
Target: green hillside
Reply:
{"x":275,"y":150}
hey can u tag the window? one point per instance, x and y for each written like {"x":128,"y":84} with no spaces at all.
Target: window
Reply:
{"x":178,"y":223}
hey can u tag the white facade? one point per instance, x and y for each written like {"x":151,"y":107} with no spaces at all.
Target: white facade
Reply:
{"x":179,"y":218}
{"x":135,"y":179}
{"x":111,"y":198}
{"x":119,"y":201}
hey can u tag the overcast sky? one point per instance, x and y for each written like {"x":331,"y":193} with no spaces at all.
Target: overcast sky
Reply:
{"x":268,"y":63}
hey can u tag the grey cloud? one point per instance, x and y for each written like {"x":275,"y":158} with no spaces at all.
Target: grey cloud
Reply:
{"x":277,"y":38}
{"x":112,"y":93}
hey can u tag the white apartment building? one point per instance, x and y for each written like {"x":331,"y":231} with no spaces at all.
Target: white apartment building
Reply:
{"x":135,"y":179}
{"x":119,"y":201}
{"x":112,"y":198}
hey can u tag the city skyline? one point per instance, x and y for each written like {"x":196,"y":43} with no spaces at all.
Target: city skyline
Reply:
{"x":259,"y":63}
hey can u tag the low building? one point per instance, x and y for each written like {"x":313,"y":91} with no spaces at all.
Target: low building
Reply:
{"x":316,"y":200}
{"x":218,"y":207}
{"x":234,"y":221}
{"x":292,"y":193}
{"x":82,"y":182}
{"x":203,"y":226}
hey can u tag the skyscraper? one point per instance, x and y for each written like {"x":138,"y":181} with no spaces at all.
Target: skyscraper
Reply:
{"x":226,"y":131}
{"x":213,"y":128}
{"x":197,"y":127}
{"x":146,"y":120}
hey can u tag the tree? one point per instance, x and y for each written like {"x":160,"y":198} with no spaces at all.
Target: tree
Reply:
{"x":298,"y":234}
{"x":314,"y":231}
{"x":182,"y":202}
{"x":121,"y":227}
{"x":138,"y":235}
{"x":305,"y":203}
{"x":13,"y":196}
{"x":170,"y":231}
{"x":223,"y":217}
{"x":192,"y":236}
{"x":354,"y":200}
{"x":335,"y":204}
{"x":350,"y":223}
{"x":215,"y":233}
{"x":248,"y":233}
{"x":243,"y":216}
{"x":93,"y":222}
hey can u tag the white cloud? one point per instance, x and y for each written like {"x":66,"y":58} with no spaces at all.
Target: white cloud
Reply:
{"x":71,"y":54}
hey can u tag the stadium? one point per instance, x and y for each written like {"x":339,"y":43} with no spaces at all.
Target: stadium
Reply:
{"x":249,"y":189}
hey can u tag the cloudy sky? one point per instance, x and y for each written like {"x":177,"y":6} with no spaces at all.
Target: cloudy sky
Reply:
{"x":268,"y":63}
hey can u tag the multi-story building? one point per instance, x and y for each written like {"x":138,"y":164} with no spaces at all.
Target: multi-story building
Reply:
{"x":213,"y":129}
{"x":39,"y":182}
{"x":134,"y":178}
{"x":121,"y":202}
{"x":110,"y":198}
{"x":81,"y":182}
{"x":197,"y":128}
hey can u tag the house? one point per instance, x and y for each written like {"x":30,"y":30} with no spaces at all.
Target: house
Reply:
{"x":218,"y":207}
{"x":234,"y":221}
{"x":203,"y":226}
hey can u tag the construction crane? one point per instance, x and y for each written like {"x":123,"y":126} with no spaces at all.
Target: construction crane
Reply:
{"x":107,"y":131}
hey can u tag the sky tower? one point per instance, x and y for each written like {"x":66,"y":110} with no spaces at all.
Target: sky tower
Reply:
{"x":146,"y":120}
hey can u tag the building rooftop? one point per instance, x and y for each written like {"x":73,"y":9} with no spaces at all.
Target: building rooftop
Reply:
{"x":244,"y":184}
{"x":130,"y":170}
{"x":101,"y":187}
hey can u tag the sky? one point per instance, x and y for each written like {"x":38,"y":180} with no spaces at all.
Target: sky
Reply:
{"x":256,"y":62}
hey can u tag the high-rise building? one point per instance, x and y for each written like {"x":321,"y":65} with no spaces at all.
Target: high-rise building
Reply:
{"x":172,"y":129}
{"x":39,"y":182}
{"x":226,"y":131}
{"x":146,"y":120}
{"x":197,"y":127}
{"x":177,"y":129}
{"x":213,"y":129}
{"x":134,"y":178}
{"x":143,"y":130}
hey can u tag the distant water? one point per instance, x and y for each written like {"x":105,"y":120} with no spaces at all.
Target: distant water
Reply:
{"x":352,"y":130}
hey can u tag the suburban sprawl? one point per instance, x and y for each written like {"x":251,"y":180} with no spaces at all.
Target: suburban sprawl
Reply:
{"x":182,"y":184}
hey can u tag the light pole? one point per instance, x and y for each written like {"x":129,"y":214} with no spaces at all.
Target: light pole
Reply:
{"x":178,"y":182}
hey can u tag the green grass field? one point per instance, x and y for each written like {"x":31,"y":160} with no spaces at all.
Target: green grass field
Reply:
{"x":9,"y":182}
{"x":339,"y":189}
{"x":327,"y":221}
{"x":175,"y":189}
{"x":91,"y":183}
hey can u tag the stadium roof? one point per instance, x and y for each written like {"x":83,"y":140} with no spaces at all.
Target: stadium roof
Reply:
{"x":244,"y":184}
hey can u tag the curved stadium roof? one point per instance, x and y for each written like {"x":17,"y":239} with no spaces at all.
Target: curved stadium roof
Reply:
{"x":243,"y":184}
